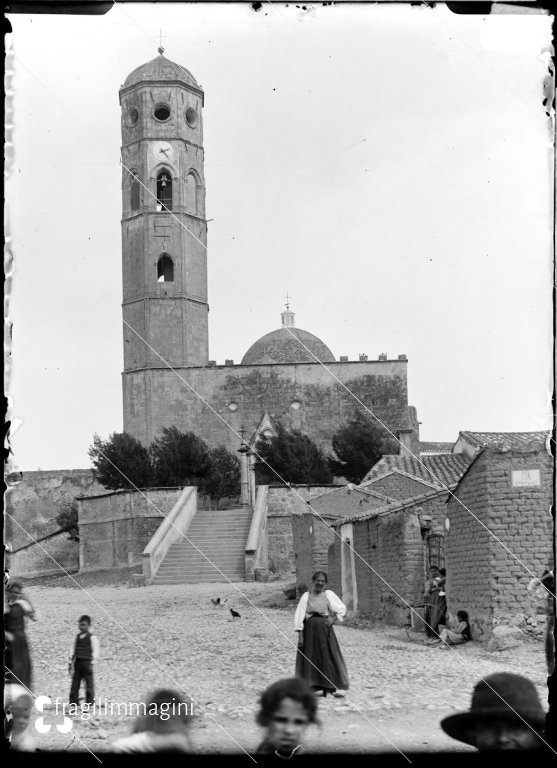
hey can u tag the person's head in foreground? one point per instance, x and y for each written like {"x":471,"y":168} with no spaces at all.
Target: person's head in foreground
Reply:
{"x":286,"y":708}
{"x":505,"y":713}
{"x":18,"y":704}
{"x":164,"y":726}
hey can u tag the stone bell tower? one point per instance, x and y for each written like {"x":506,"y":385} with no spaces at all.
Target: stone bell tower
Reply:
{"x":164,"y":231}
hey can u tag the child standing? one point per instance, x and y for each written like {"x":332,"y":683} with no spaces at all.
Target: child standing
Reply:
{"x":84,"y":653}
{"x":286,"y":709}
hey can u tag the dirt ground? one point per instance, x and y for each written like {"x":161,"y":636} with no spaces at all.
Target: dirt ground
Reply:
{"x":174,"y":637}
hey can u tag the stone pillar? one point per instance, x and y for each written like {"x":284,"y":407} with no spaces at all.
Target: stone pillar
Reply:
{"x":244,"y":475}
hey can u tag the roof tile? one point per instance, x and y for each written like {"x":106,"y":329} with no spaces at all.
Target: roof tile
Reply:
{"x":444,"y":469}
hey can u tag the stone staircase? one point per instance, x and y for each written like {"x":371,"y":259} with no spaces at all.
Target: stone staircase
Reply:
{"x":222,"y":536}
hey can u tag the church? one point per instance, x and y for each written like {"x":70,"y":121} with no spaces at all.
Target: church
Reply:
{"x":288,"y":375}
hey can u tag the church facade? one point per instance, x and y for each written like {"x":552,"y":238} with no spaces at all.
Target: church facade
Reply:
{"x":288,"y":375}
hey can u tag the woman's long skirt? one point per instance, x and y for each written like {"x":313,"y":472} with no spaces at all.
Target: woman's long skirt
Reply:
{"x":18,"y":660}
{"x":320,"y":661}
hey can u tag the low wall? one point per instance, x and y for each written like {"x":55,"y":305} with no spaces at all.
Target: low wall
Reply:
{"x":47,"y":558}
{"x":114,"y":528}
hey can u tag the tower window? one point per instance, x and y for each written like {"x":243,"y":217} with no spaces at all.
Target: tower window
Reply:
{"x":133,"y":116}
{"x":165,"y":269}
{"x":134,"y":195}
{"x":191,"y":117}
{"x":191,"y":193}
{"x":161,"y":112}
{"x":164,"y":191}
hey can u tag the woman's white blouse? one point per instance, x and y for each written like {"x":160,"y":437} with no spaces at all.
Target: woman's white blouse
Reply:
{"x":336,"y":607}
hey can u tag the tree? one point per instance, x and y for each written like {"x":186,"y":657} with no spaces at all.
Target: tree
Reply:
{"x":223,"y":478}
{"x":67,"y":519}
{"x":358,"y":445}
{"x":179,"y":458}
{"x":294,"y":456}
{"x":120,"y":462}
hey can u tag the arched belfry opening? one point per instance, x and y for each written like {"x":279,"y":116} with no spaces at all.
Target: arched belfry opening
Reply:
{"x":164,"y":191}
{"x":165,"y":269}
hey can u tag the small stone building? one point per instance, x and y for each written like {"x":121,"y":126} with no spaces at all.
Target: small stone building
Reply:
{"x":379,"y":560}
{"x":499,"y":528}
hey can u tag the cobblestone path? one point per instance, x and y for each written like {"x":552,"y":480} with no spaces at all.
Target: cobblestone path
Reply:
{"x":172,"y":636}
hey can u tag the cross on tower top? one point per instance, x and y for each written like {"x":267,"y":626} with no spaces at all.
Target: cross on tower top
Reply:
{"x":160,"y":48}
{"x":287,"y":297}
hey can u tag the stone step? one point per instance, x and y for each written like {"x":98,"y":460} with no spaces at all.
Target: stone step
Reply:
{"x":189,"y":566}
{"x":198,"y":580}
{"x":198,"y":558}
{"x":190,"y":546}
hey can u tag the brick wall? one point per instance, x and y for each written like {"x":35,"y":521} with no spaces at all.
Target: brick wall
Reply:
{"x":482,"y":577}
{"x":157,"y":398}
{"x":115,"y":528}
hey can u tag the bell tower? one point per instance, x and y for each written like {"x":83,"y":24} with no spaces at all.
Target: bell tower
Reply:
{"x":164,"y":231}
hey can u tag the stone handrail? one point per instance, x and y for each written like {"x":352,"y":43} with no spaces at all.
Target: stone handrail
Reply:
{"x":256,"y":546}
{"x":169,"y":531}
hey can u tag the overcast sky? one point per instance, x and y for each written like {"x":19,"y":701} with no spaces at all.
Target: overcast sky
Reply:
{"x":388,"y":166}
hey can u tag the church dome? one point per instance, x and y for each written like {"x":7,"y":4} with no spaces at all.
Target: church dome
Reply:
{"x":280,"y":346}
{"x":160,"y":68}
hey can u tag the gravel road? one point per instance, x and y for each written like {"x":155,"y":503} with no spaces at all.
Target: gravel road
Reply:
{"x":173,"y":636}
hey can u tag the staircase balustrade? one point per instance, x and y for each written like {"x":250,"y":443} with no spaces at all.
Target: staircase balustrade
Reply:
{"x":171,"y":530}
{"x":257,"y":564}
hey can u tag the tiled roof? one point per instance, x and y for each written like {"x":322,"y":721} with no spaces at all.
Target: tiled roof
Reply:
{"x":444,"y":469}
{"x":508,"y":440}
{"x":436,"y":447}
{"x":388,"y":508}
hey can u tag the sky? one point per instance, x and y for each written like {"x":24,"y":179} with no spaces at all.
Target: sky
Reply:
{"x":389,"y":167}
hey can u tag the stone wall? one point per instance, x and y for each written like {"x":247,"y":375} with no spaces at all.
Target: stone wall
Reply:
{"x":282,"y":503}
{"x":156,"y":398}
{"x":482,"y":577}
{"x":312,"y":539}
{"x":115,"y":528}
{"x":53,"y":556}
{"x":34,"y":499}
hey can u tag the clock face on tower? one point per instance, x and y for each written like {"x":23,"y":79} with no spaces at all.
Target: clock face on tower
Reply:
{"x":162,"y":150}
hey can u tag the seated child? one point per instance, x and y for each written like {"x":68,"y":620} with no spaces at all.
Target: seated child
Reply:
{"x":286,"y":709}
{"x":461,"y":634}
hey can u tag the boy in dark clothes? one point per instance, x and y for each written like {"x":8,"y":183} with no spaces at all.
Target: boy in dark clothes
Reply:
{"x":83,"y":655}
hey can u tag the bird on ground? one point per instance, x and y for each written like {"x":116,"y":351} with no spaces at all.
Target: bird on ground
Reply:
{"x":216,"y":602}
{"x":235,"y":614}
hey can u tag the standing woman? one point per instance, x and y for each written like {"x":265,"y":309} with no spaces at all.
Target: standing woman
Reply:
{"x":319,"y":660}
{"x":18,"y":659}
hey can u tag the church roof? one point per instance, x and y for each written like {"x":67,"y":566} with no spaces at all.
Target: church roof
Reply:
{"x":281,"y":346}
{"x":160,"y":68}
